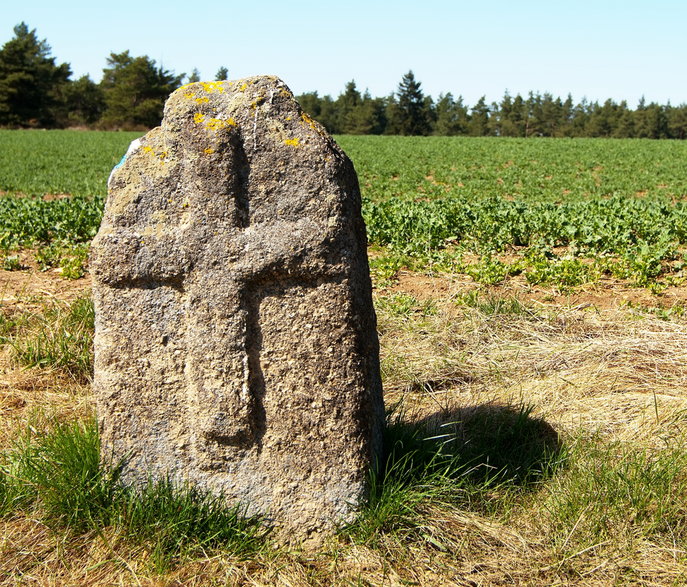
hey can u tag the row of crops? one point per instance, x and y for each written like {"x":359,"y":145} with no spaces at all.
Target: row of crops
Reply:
{"x":611,"y":225}
{"x":599,"y":206}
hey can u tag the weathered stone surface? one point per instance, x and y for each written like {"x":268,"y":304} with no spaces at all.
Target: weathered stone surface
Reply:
{"x":236,"y":342}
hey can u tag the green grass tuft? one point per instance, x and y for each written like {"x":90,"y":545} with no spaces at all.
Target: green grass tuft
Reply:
{"x":56,"y":473}
{"x":61,"y":470}
{"x":460,"y":458}
{"x":492,"y":305}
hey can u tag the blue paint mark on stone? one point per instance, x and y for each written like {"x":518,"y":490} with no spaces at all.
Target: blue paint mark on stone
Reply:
{"x":135,"y":144}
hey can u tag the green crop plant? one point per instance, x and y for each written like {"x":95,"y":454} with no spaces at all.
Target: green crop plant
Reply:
{"x":71,"y":259}
{"x":11,"y":263}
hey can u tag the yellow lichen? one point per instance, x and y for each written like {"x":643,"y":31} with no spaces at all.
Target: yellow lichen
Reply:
{"x":213,"y":123}
{"x":218,"y":123}
{"x":210,"y":87}
{"x":209,"y":151}
{"x":257,"y":102}
{"x":309,"y":121}
{"x":161,"y":155}
{"x":313,"y":125}
{"x":295,"y":142}
{"x":243,"y":87}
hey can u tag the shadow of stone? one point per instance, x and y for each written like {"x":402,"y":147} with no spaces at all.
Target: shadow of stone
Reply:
{"x":498,"y":441}
{"x":486,"y":444}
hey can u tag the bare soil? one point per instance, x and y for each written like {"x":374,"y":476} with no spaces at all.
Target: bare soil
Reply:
{"x":21,"y":289}
{"x":606,"y":293}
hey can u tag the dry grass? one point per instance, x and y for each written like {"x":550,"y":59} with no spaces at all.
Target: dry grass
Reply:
{"x":27,"y":392}
{"x":601,"y":377}
{"x":611,"y":371}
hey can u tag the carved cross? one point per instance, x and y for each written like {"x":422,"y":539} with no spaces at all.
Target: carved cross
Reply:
{"x":222,"y":262}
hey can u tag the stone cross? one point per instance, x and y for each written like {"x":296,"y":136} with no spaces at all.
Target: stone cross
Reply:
{"x":235,"y":336}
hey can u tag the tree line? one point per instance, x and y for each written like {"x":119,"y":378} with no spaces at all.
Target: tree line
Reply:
{"x":409,"y":112}
{"x":36,"y":91}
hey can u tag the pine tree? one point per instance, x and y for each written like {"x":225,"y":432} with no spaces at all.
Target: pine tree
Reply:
{"x":31,"y":84}
{"x":85,"y":101}
{"x":677,"y":121}
{"x":479,"y":119}
{"x":651,"y":121}
{"x":519,"y":116}
{"x":567,"y":114}
{"x":410,"y":116}
{"x":451,"y":116}
{"x":346,"y":103}
{"x":551,"y":113}
{"x":222,"y":74}
{"x":624,"y":128}
{"x":501,"y":116}
{"x":135,"y":91}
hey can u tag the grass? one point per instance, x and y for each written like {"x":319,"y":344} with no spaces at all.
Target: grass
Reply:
{"x":60,"y":336}
{"x":462,"y":459}
{"x":621,"y":495}
{"x":494,"y":305}
{"x":54,"y":472}
{"x":530,"y":443}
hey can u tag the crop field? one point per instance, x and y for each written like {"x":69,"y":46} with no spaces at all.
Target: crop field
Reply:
{"x":558,"y":212}
{"x":530,"y":297}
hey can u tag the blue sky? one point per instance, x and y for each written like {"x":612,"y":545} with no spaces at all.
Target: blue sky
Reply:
{"x":596,"y":49}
